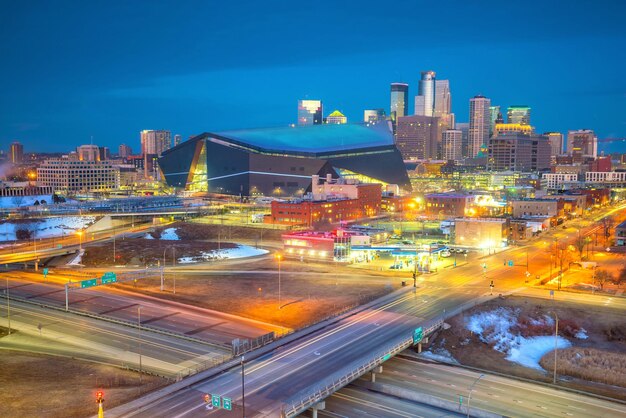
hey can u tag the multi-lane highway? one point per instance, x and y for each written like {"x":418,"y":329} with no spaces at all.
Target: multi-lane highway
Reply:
{"x":211,"y":326}
{"x":299,"y":368}
{"x":496,"y":394}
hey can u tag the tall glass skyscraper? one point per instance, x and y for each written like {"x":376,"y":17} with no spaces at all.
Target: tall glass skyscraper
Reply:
{"x":494,"y":111}
{"x":425,"y":99}
{"x":310,"y":112}
{"x":399,"y":96}
{"x":478,"y":133}
{"x":443,"y":98}
{"x":518,"y":114}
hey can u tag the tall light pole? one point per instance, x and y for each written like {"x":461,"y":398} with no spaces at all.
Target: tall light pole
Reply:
{"x":139,"y":325}
{"x":243,"y":391}
{"x":469,"y":397}
{"x":173,"y":265}
{"x":556,"y":340}
{"x":8,"y":305}
{"x":279,"y":258}
{"x":80,"y":239}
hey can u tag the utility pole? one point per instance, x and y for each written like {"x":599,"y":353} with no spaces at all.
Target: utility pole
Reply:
{"x":243,"y":391}
{"x":469,"y":397}
{"x":8,"y":305}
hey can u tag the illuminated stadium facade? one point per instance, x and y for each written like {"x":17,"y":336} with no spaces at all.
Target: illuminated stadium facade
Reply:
{"x":281,"y":161}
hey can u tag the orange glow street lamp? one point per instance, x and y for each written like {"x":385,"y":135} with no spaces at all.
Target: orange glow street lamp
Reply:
{"x":80,"y":239}
{"x":279,"y":257}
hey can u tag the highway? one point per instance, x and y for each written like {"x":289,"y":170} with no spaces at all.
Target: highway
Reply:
{"x":56,"y":332}
{"x":496,"y":394}
{"x":211,"y":326}
{"x":298,"y":368}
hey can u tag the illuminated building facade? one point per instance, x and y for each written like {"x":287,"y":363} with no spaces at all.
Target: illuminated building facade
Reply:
{"x":281,"y":161}
{"x":399,"y":100}
{"x":556,"y":143}
{"x":71,"y":176}
{"x":417,"y":137}
{"x":478,"y":132}
{"x":518,"y":152}
{"x":337,"y":118}
{"x":494,"y":117}
{"x":507,"y":128}
{"x":310,"y":112}
{"x":373,"y":115}
{"x":124,"y":151}
{"x":582,"y":143}
{"x":88,"y":153}
{"x":16,"y":152}
{"x":155,"y":141}
{"x":487,"y":234}
{"x":518,"y":114}
{"x":451,"y":145}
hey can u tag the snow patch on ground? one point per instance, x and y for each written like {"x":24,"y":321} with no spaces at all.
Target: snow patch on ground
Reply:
{"x":21,"y":201}
{"x":496,"y":327}
{"x":169,"y":234}
{"x":582,"y":334}
{"x":77,"y":260}
{"x":54,"y":226}
{"x":439,"y":354}
{"x":241,"y":251}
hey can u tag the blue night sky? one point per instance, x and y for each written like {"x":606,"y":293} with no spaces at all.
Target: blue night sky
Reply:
{"x":73,"y":69}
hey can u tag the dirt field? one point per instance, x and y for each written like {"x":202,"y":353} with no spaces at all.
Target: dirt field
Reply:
{"x":606,"y":330}
{"x":319,"y":292}
{"x":35,"y":385}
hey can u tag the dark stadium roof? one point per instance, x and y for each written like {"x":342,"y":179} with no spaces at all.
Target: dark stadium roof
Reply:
{"x":310,"y":140}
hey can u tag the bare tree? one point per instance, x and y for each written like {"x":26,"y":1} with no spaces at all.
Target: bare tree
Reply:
{"x":602,"y":277}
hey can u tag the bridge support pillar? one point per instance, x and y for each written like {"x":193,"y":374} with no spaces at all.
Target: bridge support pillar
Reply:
{"x":320,"y":406}
{"x":375,"y":370}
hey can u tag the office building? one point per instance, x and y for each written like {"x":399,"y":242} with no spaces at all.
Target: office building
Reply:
{"x":464,"y":128}
{"x":582,"y":143}
{"x":399,"y":100}
{"x":280,"y":161}
{"x":417,"y":137}
{"x":373,"y":115}
{"x":155,"y":141}
{"x":478,"y":132}
{"x":494,"y":117}
{"x":124,"y":151}
{"x":88,"y":153}
{"x":556,"y":143}
{"x":518,"y":114}
{"x":425,"y":99}
{"x":105,"y":153}
{"x":518,"y":152}
{"x":310,"y":112}
{"x":452,"y":145}
{"x":16,"y":152}
{"x":70,"y":176}
{"x":336,"y":118}
{"x":443,"y":98}
{"x":178,"y":138}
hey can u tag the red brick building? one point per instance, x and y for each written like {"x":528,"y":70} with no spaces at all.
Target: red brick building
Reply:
{"x":309,"y":212}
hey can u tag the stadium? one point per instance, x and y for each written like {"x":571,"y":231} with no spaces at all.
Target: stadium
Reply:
{"x":280,"y":161}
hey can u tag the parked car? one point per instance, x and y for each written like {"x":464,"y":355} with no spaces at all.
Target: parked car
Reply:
{"x":446,"y":253}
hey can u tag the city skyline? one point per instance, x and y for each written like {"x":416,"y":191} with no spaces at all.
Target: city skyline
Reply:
{"x":99,"y":85}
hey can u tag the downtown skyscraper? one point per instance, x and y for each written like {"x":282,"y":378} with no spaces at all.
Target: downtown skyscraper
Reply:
{"x":518,"y":114}
{"x":425,"y":99}
{"x":399,"y":104}
{"x":479,"y":116}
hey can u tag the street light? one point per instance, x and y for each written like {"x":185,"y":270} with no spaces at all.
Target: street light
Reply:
{"x":139,"y":340}
{"x":556,"y":340}
{"x":279,"y":257}
{"x":469,"y":397}
{"x":80,"y":239}
{"x":243,"y":392}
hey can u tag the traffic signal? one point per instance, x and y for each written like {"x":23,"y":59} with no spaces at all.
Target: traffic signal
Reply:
{"x":99,"y":397}
{"x":491,"y":283}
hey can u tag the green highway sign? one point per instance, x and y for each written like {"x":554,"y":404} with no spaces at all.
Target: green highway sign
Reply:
{"x":109,"y":277}
{"x":418,"y":334}
{"x":510,"y":263}
{"x":386,"y":357}
{"x":215,"y":400}
{"x":227,"y":404}
{"x":88,"y":283}
{"x":45,"y":271}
